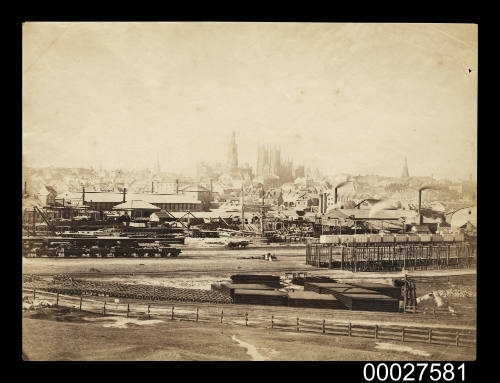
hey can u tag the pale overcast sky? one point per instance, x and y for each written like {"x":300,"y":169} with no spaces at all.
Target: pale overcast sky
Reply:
{"x":353,"y":98}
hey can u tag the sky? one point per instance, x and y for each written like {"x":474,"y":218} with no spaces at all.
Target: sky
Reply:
{"x":353,"y":98}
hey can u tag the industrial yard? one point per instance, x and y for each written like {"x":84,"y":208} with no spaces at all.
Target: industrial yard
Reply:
{"x":249,"y":191}
{"x":163,"y":293}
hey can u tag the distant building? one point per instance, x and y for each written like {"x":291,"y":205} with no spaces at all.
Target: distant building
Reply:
{"x":107,"y":201}
{"x":300,"y":172}
{"x":232,"y":156}
{"x":270,"y":164}
{"x":405,"y":173}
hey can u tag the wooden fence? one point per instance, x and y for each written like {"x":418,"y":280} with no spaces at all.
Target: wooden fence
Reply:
{"x":213,"y":314}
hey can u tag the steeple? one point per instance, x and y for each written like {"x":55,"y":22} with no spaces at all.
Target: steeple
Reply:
{"x":405,"y":173}
{"x":232,"y":155}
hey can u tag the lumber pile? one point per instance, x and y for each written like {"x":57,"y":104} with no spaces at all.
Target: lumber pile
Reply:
{"x":311,"y":299}
{"x":269,"y":280}
{"x":314,"y":279}
{"x":228,"y":289}
{"x":381,"y":288}
{"x":368,"y":302}
{"x":321,"y":286}
{"x":260,"y":297}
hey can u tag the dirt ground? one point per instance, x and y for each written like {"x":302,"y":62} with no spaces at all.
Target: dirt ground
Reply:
{"x":63,"y":334}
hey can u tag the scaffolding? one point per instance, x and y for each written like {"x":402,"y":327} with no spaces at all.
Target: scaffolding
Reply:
{"x":392,"y":256}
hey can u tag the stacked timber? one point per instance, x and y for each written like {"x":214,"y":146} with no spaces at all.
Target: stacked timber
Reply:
{"x":437,"y":238}
{"x":368,"y":302}
{"x":319,"y":279}
{"x":269,"y":280}
{"x":311,"y":299}
{"x":322,"y":287}
{"x":381,"y":288}
{"x":260,"y":297}
{"x":448,"y":237}
{"x":329,"y":239}
{"x":346,"y":290}
{"x":228,"y":288}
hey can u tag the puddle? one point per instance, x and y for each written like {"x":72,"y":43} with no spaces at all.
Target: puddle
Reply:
{"x":251,"y":350}
{"x":395,"y":347}
{"x":123,"y":322}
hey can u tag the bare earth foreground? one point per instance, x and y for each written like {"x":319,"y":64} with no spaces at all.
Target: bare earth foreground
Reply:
{"x":67,"y":334}
{"x":62,"y":334}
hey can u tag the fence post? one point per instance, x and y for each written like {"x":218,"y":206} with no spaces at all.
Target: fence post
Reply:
{"x":172,"y":317}
{"x":57,"y":299}
{"x":376,"y":331}
{"x":272,"y":321}
{"x":128,"y":309}
{"x":457,"y":340}
{"x":34,"y":294}
{"x":403,"y":334}
{"x":81,"y":299}
{"x":297,"y":324}
{"x":349,"y":329}
{"x":221,"y":316}
{"x":323,"y":328}
{"x":430,"y":335}
{"x":104,"y":308}
{"x":246,"y":319}
{"x":149,"y":315}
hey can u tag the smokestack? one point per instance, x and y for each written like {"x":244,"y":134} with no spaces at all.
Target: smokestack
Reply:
{"x":152,"y":187}
{"x":211,"y":186}
{"x":336,"y":195}
{"x":26,"y":189}
{"x":177,"y":186}
{"x":420,"y":218}
{"x":124,"y":194}
{"x":83,"y":195}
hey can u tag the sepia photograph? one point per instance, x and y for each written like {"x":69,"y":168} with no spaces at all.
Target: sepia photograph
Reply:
{"x":250,"y":191}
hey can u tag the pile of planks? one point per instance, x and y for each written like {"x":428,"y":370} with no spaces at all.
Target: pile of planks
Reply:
{"x":357,"y":298}
{"x":311,"y":299}
{"x":381,"y":288}
{"x":228,"y":289}
{"x":269,"y":280}
{"x":322,"y":287}
{"x":316,"y":279}
{"x":260,"y":297}
{"x":368,"y":302}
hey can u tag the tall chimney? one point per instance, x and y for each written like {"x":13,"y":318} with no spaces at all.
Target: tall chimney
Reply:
{"x":124,"y":194}
{"x":176,"y":186}
{"x":336,"y":195}
{"x":25,"y":188}
{"x":420,"y":218}
{"x":83,"y":195}
{"x":152,"y":187}
{"x":211,"y":186}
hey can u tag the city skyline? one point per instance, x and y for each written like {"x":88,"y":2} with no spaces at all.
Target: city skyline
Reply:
{"x":399,"y":90}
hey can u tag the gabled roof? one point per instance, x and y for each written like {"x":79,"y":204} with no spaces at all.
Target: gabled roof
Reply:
{"x":135,"y":205}
{"x":162,"y":214}
{"x":195,"y":188}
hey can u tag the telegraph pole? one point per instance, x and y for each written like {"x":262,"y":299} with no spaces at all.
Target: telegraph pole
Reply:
{"x":242,"y":208}
{"x":262,"y":212}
